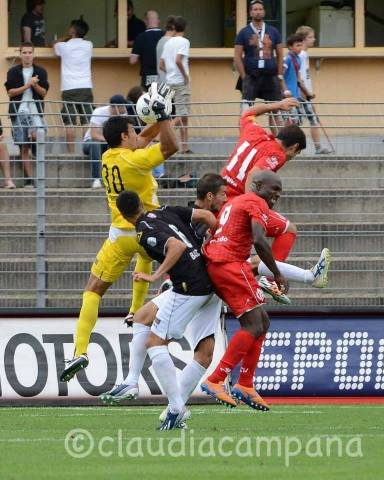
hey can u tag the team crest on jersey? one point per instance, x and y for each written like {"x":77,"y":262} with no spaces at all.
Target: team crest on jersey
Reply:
{"x":138,"y":236}
{"x":272,"y":162}
{"x":152,"y":242}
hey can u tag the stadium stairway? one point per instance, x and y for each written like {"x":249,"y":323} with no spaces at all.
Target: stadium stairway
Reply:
{"x":335,"y":201}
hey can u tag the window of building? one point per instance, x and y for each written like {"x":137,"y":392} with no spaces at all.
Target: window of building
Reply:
{"x":99,"y":14}
{"x":332,"y":20}
{"x":374,"y":23}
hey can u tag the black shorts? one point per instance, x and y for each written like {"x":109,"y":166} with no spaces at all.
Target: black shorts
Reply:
{"x":77,"y":103}
{"x":266,"y":87}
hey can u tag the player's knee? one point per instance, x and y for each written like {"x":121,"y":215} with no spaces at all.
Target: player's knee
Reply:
{"x":204,"y":351}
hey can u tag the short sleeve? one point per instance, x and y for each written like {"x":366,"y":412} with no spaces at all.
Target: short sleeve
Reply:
{"x":183,"y":48}
{"x":153,"y":240}
{"x":147,"y":158}
{"x":184,"y":213}
{"x":239,"y":40}
{"x":59,"y":47}
{"x":137,"y":45}
{"x":277,"y":36}
{"x":257,"y":211}
{"x":26,"y":21}
{"x":271,"y":161}
{"x":287,"y":62}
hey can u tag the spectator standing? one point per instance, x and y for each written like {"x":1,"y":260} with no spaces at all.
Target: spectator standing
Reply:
{"x":292,"y":77}
{"x":135,"y":25}
{"x":76,"y":78}
{"x":27,"y":85}
{"x":309,"y":39}
{"x":94,"y":142}
{"x":175,"y":63}
{"x":259,"y":58}
{"x":33,"y":23}
{"x":4,"y":163}
{"x":169,"y":32}
{"x":144,"y":49}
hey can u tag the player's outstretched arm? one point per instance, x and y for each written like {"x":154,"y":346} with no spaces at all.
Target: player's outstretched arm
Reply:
{"x":264,"y":251}
{"x":174,"y":250}
{"x":262,"y":108}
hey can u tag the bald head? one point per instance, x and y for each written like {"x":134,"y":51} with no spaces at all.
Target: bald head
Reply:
{"x":151,"y":19}
{"x":267,"y":185}
{"x":266,"y":176}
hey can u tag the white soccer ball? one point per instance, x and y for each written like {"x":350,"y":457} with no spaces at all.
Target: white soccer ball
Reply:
{"x":145,"y":112}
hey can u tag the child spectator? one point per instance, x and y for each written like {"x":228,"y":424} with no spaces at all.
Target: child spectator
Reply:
{"x":292,"y":77}
{"x":309,"y":39}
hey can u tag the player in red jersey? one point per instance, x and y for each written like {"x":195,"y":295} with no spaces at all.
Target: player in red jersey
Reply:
{"x":242,"y":223}
{"x":258,"y":150}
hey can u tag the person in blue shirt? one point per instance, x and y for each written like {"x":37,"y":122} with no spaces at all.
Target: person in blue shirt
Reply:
{"x":259,"y":59}
{"x":292,"y":64}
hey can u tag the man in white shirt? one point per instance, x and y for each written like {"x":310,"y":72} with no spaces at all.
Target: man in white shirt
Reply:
{"x":169,"y":33}
{"x":94,"y":142}
{"x":76,"y":78}
{"x":175,"y":63}
{"x":309,"y":39}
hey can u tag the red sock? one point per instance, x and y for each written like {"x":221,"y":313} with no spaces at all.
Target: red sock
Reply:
{"x":282,"y":245}
{"x":249,"y":363}
{"x":237,"y":348}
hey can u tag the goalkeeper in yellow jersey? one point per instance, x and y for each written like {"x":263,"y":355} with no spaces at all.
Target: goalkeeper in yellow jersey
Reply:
{"x":126,"y":165}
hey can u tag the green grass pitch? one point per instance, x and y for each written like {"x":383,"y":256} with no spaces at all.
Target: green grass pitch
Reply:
{"x":32,"y":443}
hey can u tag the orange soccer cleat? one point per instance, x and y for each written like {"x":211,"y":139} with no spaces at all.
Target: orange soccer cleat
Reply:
{"x":219,"y":392}
{"x":250,"y":397}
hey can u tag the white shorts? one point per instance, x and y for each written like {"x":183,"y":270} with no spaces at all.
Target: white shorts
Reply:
{"x":176,"y":311}
{"x":204,"y":322}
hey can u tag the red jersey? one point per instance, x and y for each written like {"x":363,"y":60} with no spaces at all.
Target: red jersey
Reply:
{"x":256,"y":148}
{"x":232,"y":241}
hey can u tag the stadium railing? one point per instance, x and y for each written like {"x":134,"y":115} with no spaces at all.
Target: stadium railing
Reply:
{"x":50,"y":235}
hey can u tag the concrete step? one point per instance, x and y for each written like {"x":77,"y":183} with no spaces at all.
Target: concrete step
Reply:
{"x":85,"y":240}
{"x":361,"y":274}
{"x":74,"y":171}
{"x":79,"y":205}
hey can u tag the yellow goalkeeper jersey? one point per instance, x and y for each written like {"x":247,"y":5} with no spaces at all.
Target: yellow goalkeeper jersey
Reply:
{"x":124,"y":169}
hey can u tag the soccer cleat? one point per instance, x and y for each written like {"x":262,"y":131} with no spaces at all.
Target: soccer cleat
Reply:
{"x":250,"y":397}
{"x":172,"y":421}
{"x":273,"y":290}
{"x":119,"y":393}
{"x":186,"y":416}
{"x":219,"y":392}
{"x":74,"y":366}
{"x":128,"y":320}
{"x":320,"y":270}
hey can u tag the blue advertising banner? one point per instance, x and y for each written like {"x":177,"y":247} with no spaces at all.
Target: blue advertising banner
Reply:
{"x":323,"y":356}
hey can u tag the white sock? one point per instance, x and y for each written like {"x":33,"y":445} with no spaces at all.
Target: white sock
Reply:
{"x":166,"y":373}
{"x":137,"y":353}
{"x":290,"y":272}
{"x":189,"y":378}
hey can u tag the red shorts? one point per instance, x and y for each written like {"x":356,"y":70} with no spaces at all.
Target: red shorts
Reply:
{"x":235,"y":283}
